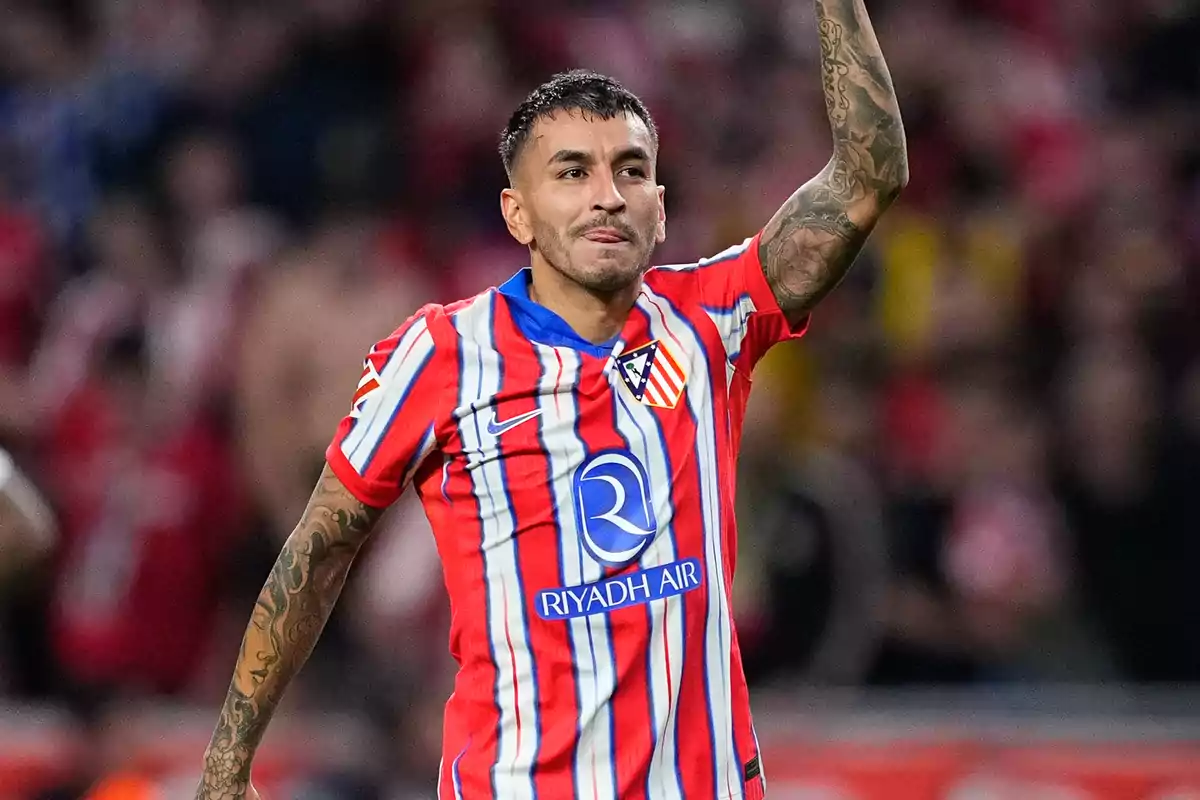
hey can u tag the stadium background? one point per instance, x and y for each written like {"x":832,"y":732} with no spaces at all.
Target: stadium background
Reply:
{"x":970,"y":533}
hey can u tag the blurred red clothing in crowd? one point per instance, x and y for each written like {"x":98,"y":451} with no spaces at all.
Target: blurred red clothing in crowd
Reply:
{"x":150,"y":509}
{"x":22,"y":280}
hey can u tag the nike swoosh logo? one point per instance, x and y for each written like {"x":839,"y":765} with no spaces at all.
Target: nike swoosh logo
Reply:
{"x":495,"y":427}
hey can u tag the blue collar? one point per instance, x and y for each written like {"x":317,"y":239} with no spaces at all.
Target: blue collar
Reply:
{"x":540,"y":324}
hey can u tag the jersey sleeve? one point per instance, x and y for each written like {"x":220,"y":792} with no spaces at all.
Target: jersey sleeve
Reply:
{"x":735,"y":294}
{"x":392,"y":426}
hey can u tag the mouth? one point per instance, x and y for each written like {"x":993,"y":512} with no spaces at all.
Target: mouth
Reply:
{"x":606,"y":236}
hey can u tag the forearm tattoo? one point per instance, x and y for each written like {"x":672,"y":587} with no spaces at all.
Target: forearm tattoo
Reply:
{"x":288,"y":618}
{"x":811,"y":242}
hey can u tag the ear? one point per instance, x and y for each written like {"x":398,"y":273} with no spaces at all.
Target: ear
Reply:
{"x":512,"y":206}
{"x":660,"y":233}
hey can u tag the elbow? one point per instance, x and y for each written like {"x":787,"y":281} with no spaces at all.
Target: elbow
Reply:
{"x":890,"y":160}
{"x":893,"y":172}
{"x":894,"y":178}
{"x":898,"y":167}
{"x":902,"y":173}
{"x":889,"y":175}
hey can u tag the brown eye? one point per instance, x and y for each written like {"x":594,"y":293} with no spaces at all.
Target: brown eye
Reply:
{"x":573,"y":172}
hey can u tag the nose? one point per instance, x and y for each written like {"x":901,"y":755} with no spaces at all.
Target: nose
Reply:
{"x":607,"y":198}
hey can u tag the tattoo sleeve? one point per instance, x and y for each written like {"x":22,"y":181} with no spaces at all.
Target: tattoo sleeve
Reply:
{"x":810,"y":243}
{"x":288,"y":618}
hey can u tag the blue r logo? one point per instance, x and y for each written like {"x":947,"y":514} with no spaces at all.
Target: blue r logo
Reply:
{"x":616,"y":514}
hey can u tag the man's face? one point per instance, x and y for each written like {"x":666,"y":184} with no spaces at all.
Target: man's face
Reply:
{"x":585,"y":198}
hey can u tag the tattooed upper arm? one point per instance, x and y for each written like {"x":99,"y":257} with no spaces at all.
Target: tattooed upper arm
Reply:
{"x":307,"y":577}
{"x":291,"y":610}
{"x":810,"y":243}
{"x":335,"y":513}
{"x":318,"y":554}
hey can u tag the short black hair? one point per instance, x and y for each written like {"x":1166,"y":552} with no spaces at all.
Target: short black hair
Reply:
{"x":577,"y":90}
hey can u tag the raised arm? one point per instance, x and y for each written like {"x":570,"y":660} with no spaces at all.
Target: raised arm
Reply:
{"x":810,"y":243}
{"x":288,"y":618}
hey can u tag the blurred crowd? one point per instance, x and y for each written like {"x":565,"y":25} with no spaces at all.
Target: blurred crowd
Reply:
{"x":979,"y":467}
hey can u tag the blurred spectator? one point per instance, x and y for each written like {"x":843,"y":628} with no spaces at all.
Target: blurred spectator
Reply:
{"x":1127,"y":478}
{"x":74,"y":115}
{"x":125,"y":288}
{"x":313,"y":320}
{"x":813,"y":571}
{"x":978,"y":542}
{"x":224,"y":244}
{"x":152,"y":510}
{"x":25,"y":281}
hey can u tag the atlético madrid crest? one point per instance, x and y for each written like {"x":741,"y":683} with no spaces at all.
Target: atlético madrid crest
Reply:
{"x":653,"y":374}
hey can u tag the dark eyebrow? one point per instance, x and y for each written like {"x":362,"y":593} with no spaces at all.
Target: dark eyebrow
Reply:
{"x":571,"y":156}
{"x":632,"y":153}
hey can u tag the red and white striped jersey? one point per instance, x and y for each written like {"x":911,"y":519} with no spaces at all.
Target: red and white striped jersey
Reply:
{"x":581,"y":496}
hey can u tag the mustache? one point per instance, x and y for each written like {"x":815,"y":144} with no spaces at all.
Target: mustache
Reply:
{"x":605,"y":222}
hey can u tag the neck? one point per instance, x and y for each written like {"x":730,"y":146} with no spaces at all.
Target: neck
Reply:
{"x":596,"y":316}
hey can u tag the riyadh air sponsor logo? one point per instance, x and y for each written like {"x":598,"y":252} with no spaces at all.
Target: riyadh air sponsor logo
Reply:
{"x":616,"y":514}
{"x":610,"y":594}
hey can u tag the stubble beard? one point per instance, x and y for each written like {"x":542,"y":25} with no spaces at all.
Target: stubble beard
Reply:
{"x":604,"y":280}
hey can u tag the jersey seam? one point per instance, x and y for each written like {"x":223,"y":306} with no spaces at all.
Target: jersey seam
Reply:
{"x":448,"y":385}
